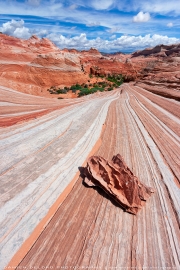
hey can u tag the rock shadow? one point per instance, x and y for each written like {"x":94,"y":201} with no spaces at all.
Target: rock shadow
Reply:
{"x":99,"y":190}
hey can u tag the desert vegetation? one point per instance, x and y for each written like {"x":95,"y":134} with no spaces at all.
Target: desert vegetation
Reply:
{"x":110,"y":82}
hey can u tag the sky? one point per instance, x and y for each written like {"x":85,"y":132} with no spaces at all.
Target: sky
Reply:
{"x":108,"y":25}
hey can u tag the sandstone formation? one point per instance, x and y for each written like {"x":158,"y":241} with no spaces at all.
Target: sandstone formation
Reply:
{"x":87,"y":230}
{"x":48,"y":219}
{"x":159,"y":50}
{"x":34,"y":65}
{"x":115,"y":178}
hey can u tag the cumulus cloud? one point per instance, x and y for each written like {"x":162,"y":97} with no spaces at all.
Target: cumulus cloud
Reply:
{"x":113,"y":37}
{"x":81,"y":42}
{"x":170,"y":24}
{"x":67,"y":42}
{"x":123,"y":43}
{"x":40,"y":33}
{"x":141,"y":17}
{"x":16,"y":29}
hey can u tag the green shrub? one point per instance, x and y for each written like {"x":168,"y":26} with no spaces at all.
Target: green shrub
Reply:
{"x":84,"y":92}
{"x":110,"y":88}
{"x":101,"y":89}
{"x":76,"y":87}
{"x":87,"y":91}
{"x":72,"y":87}
{"x":61,"y":91}
{"x":117,"y":80}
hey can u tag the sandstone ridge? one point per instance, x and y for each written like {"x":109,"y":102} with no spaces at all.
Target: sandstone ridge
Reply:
{"x":32,"y":66}
{"x":159,"y":50}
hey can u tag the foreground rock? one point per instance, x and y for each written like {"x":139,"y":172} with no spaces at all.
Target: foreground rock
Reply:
{"x":115,"y":178}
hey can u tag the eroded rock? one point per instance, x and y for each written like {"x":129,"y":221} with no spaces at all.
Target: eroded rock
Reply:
{"x":116,"y":179}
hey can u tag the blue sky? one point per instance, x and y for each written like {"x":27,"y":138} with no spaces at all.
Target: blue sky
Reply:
{"x":108,"y":25}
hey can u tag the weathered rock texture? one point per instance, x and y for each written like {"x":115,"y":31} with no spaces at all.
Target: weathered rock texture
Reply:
{"x":87,"y":230}
{"x":115,"y":178}
{"x":43,"y":142}
{"x":159,"y":50}
{"x":34,"y":65}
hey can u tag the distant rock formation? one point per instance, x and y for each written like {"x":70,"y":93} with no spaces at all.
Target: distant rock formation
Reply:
{"x":97,"y":71}
{"x":159,"y":50}
{"x":116,"y":179}
{"x":34,"y":65}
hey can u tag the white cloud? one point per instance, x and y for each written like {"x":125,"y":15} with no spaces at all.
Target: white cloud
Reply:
{"x":40,"y":33}
{"x":152,"y":6}
{"x":123,"y":43}
{"x":160,"y":6}
{"x":32,"y":7}
{"x":141,"y":17}
{"x":56,"y":8}
{"x":22,"y":33}
{"x":113,"y":37}
{"x":102,"y":4}
{"x":15,"y":28}
{"x":81,"y":42}
{"x":170,"y":24}
{"x":67,"y":42}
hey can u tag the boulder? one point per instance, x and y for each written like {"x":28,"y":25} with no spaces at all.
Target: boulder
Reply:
{"x":118,"y":181}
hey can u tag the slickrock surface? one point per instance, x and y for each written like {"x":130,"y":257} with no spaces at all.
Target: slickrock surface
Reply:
{"x":40,"y":156}
{"x":115,"y":178}
{"x":88,"y":230}
{"x":47,"y":217}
